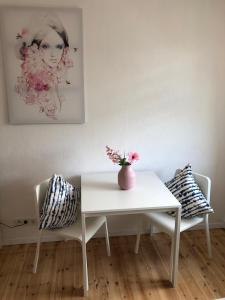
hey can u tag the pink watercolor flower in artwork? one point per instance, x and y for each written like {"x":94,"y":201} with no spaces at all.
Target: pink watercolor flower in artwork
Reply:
{"x":50,"y":110}
{"x":24,"y":31}
{"x":66,"y":60}
{"x":133,"y":156}
{"x":38,"y":83}
{"x":122,"y":160}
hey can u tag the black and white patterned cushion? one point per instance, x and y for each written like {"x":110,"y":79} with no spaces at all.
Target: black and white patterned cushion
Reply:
{"x":60,"y":207}
{"x":188,"y":193}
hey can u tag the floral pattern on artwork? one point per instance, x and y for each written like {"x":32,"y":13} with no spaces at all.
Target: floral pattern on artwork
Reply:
{"x":45,"y":59}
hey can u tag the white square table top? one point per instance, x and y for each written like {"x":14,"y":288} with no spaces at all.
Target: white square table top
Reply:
{"x":100,"y":193}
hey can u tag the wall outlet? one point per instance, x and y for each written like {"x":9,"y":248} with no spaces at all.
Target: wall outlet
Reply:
{"x":25,"y":221}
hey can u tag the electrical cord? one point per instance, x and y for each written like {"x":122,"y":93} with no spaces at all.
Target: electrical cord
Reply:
{"x":12,"y":226}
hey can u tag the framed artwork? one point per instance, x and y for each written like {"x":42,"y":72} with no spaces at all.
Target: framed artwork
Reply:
{"x":43,"y":64}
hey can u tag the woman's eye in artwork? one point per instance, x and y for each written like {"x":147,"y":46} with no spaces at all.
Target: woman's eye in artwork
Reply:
{"x":45,"y":46}
{"x":59,"y":46}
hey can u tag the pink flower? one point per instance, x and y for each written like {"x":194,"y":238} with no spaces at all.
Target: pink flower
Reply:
{"x":133,"y":156}
{"x":24,"y":31}
{"x":66,"y":60}
{"x":50,"y":110}
{"x":122,"y":160}
{"x":113,"y":155}
{"x":40,"y":86}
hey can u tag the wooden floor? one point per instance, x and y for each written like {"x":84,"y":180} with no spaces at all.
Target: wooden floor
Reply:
{"x":124,"y":275}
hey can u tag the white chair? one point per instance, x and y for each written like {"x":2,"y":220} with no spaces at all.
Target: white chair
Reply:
{"x":72,"y":232}
{"x":166,"y":223}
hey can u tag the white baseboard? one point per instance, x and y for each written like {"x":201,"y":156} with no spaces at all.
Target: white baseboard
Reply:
{"x":133,"y":232}
{"x":29,"y":234}
{"x":211,"y":225}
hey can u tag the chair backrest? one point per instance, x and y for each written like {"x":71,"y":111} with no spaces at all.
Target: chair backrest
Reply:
{"x":40,"y":192}
{"x":204,"y":183}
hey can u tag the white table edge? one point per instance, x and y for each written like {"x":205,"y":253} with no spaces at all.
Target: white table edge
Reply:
{"x":130,"y":212}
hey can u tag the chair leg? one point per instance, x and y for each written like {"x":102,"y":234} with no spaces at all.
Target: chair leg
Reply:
{"x":85,"y":271}
{"x":208,"y":236}
{"x":176,"y":242}
{"x":151,"y":230}
{"x":171,"y":258}
{"x":107,"y":238}
{"x":137,"y":243}
{"x":139,"y":229}
{"x":37,"y":252}
{"x":84,"y":254}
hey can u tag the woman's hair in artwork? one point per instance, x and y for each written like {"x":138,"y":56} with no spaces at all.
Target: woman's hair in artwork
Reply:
{"x":37,"y":30}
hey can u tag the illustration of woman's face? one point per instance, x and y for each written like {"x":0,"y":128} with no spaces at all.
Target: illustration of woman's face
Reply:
{"x":52,"y":48}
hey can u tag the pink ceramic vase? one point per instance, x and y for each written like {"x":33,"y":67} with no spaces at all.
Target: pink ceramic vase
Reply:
{"x":126,"y":178}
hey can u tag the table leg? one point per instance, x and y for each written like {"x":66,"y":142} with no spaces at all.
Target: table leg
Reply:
{"x":171,"y":258}
{"x":84,"y":253}
{"x":176,"y":242}
{"x":1,"y":237}
{"x":139,"y":231}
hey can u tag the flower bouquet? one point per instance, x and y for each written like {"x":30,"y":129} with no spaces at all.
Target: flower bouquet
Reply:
{"x":122,"y":160}
{"x":126,"y":176}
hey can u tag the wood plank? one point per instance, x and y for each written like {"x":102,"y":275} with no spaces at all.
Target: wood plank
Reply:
{"x":211,"y":271}
{"x":123,"y":276}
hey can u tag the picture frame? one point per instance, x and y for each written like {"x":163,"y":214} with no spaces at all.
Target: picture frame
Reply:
{"x":42,"y":50}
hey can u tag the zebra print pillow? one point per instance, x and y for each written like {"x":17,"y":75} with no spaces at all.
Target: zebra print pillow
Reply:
{"x":60,"y":208}
{"x":188,"y":193}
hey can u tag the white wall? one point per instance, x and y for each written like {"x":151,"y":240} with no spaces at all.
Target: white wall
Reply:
{"x":154,"y":82}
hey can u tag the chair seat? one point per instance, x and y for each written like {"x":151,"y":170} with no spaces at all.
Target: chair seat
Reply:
{"x":167,"y":222}
{"x":75,"y":231}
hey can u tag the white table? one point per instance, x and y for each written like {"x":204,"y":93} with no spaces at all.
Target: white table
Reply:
{"x":100,"y":195}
